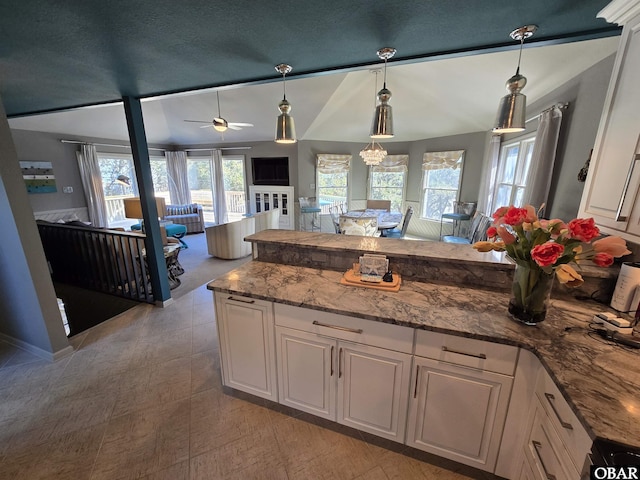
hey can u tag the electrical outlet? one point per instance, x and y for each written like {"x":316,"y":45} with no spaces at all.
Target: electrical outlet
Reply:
{"x":67,"y":189}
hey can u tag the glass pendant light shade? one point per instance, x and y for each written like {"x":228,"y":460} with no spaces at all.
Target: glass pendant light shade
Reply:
{"x":285,"y":127}
{"x":382,"y":126}
{"x":512,"y":107}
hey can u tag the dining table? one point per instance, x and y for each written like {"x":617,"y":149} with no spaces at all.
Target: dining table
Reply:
{"x":386,"y":220}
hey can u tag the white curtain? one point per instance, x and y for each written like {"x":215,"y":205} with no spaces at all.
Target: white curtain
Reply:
{"x":178,"y":178}
{"x":92,"y":185}
{"x":393,"y":163}
{"x":331,"y":163}
{"x":543,"y":157}
{"x":219,"y":197}
{"x":439,"y":160}
{"x":489,"y":174}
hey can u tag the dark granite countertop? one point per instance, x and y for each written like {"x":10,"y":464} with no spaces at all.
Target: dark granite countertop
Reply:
{"x":600,"y":381}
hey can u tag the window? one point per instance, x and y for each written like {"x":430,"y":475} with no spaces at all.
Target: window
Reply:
{"x":332,"y":179}
{"x":512,"y":173}
{"x":441,"y":179}
{"x":387,"y":181}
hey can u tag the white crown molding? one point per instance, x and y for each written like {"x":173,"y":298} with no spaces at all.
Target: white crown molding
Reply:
{"x":620,"y":11}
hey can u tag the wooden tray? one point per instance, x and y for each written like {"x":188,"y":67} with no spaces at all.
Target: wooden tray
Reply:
{"x":350,"y":278}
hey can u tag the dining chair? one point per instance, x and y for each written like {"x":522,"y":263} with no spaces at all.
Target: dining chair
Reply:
{"x":335,"y":211}
{"x":379,"y":205}
{"x":395,"y":233}
{"x":365,"y":226}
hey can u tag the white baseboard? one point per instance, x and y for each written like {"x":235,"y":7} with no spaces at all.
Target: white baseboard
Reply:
{"x":51,"y":357}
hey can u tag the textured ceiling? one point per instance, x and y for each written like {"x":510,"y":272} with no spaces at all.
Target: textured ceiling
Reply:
{"x":56,"y":55}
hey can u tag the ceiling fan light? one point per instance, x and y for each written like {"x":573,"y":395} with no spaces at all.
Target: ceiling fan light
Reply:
{"x":220,"y":124}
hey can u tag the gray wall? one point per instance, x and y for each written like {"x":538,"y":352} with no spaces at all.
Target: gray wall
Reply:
{"x":29,"y":311}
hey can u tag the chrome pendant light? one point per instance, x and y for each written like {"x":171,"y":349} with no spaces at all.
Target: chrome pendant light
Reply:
{"x":373,"y":153}
{"x":511,"y":111}
{"x":382,"y":126}
{"x":285,"y":128}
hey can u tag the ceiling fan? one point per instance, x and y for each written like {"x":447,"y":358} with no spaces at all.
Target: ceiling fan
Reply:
{"x":219,"y":123}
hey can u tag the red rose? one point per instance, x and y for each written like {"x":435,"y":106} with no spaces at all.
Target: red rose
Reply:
{"x":547,"y":253}
{"x":603,"y":259}
{"x":491,"y":232}
{"x":499,"y":213}
{"x":515,"y":216}
{"x":583,"y":229}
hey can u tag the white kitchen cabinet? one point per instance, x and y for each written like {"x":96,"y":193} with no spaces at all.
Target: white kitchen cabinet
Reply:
{"x":611,"y":190}
{"x":247,"y":353}
{"x":458,"y":406}
{"x":324,"y":372}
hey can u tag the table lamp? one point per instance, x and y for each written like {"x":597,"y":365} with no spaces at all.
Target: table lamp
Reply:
{"x":133,"y":208}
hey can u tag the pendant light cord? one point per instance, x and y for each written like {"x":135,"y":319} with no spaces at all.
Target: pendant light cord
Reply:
{"x":520,"y":54}
{"x":218,"y":97}
{"x":385,"y":74}
{"x":284,"y":85}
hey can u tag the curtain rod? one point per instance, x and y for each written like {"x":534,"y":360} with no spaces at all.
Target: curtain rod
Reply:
{"x":154,"y":148}
{"x":561,"y":106}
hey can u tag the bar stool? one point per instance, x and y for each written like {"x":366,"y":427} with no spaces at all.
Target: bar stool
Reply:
{"x":309,"y":211}
{"x":457,"y":219}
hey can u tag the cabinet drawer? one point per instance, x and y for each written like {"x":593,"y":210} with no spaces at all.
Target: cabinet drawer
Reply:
{"x":468,"y":352}
{"x":573,"y":435}
{"x":241,"y":300}
{"x":352,"y":329}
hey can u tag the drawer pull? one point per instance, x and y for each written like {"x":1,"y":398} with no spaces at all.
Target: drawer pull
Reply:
{"x":536,"y":446}
{"x":338,"y":327}
{"x":415,"y":389}
{"x":619,"y":216}
{"x":475,"y":355}
{"x":551,"y":399}
{"x":240,"y":300}
{"x":331,"y":361}
{"x":340,"y":363}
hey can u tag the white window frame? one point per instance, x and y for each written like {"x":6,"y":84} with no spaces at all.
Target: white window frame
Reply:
{"x":323,"y":160}
{"x":433,"y":161}
{"x":525,"y":146}
{"x":391,"y":164}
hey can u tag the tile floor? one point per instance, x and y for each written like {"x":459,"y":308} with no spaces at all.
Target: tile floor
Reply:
{"x":141,"y":397}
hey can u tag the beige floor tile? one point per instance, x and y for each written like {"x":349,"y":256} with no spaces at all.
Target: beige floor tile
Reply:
{"x":205,"y":371}
{"x":205,"y":337}
{"x":218,"y":419}
{"x":144,"y":442}
{"x":159,"y":347}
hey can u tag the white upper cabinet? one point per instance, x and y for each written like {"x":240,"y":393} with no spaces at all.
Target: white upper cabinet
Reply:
{"x":611,"y":190}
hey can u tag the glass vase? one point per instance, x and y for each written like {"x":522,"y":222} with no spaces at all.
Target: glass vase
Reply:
{"x":530,"y":292}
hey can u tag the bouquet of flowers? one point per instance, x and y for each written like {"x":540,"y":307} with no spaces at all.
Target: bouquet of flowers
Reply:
{"x":541,"y":248}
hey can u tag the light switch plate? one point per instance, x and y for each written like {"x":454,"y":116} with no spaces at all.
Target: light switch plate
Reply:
{"x":67,"y":189}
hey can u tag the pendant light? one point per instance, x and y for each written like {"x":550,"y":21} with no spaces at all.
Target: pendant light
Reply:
{"x":382,"y":126}
{"x":373,"y":153}
{"x":285,"y":128}
{"x":511,"y":111}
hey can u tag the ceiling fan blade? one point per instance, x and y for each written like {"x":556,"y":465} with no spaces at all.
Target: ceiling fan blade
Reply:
{"x":240,"y":124}
{"x":233,"y":126}
{"x":207,"y":126}
{"x":197,"y":121}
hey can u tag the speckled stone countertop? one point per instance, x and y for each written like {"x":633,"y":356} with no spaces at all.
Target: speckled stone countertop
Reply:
{"x":600,"y":381}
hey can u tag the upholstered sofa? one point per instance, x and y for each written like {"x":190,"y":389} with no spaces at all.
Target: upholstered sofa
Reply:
{"x":190,"y":215}
{"x":227,"y":240}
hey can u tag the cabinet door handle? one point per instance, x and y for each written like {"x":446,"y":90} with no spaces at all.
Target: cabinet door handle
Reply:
{"x":625,"y":190}
{"x":475,"y":355}
{"x":536,"y":446}
{"x":551,"y":399}
{"x":331,"y":361}
{"x":340,"y":363}
{"x":240,"y":300}
{"x":415,"y":388}
{"x":338,"y":327}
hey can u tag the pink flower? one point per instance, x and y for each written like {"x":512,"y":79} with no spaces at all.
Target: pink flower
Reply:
{"x":547,"y":253}
{"x":603,"y":259}
{"x":515,"y":216}
{"x":531,"y":215}
{"x":583,"y":229}
{"x":498,"y":214}
{"x":507,"y":237}
{"x":491,"y":232}
{"x":614,"y":246}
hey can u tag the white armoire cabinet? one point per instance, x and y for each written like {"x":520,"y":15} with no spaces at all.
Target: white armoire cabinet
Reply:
{"x":611,"y":193}
{"x":263,"y":198}
{"x":247,"y":354}
{"x":335,"y":367}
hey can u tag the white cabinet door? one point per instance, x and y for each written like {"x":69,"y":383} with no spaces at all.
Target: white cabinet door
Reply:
{"x":307,"y":372}
{"x":457,"y":412}
{"x":246,"y":333}
{"x":373,"y":386}
{"x":614,"y":178}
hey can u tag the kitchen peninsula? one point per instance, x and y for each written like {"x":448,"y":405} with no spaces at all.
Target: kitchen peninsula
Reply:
{"x":452,"y":298}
